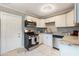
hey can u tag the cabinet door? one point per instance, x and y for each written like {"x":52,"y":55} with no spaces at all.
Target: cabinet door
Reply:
{"x":49,"y":20}
{"x":32,"y":19}
{"x":38,"y":23}
{"x":40,"y":38}
{"x":47,"y":40}
{"x":60,"y":21}
{"x":41,"y":23}
{"x":70,"y":18}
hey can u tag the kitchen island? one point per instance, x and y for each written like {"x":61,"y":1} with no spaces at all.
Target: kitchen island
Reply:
{"x":69,"y":46}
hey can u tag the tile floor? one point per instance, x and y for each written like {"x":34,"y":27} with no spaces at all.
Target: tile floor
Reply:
{"x":41,"y":50}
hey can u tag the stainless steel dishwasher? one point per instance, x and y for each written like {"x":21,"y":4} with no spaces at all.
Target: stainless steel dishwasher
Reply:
{"x":56,"y":41}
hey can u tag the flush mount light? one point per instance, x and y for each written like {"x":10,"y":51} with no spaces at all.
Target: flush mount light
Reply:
{"x":47,"y":8}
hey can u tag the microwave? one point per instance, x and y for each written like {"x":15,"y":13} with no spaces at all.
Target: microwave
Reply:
{"x":30,"y":24}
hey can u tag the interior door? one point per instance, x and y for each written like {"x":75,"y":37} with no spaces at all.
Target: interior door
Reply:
{"x":12,"y":31}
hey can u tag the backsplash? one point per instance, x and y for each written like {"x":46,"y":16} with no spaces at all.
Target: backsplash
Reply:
{"x":67,"y":29}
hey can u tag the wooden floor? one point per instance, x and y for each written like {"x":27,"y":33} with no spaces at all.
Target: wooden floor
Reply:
{"x":41,"y":50}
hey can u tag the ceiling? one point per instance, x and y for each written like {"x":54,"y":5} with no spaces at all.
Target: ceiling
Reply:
{"x":33,"y":9}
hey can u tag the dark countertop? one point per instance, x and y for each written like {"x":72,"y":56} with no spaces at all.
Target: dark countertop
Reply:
{"x":59,"y":36}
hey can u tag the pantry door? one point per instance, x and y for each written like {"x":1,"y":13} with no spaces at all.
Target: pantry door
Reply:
{"x":11,"y":31}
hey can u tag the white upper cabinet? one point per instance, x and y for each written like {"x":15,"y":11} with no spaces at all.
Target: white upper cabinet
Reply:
{"x":60,"y":20}
{"x":73,"y":16}
{"x":70,"y":17}
{"x":38,"y":23}
{"x":41,"y":23}
{"x":32,"y":19}
{"x":65,"y":20}
{"x":50,"y":20}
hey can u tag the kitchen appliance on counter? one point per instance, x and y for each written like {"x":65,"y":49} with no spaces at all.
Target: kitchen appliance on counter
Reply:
{"x":56,"y":41}
{"x":75,"y":33}
{"x":29,"y":24}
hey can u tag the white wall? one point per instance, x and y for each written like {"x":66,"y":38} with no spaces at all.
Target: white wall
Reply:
{"x":0,"y":35}
{"x":23,"y":18}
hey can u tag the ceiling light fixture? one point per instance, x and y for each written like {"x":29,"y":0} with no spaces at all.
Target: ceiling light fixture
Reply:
{"x":47,"y":8}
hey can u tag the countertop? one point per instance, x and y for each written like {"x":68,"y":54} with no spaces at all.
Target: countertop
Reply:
{"x":70,"y":40}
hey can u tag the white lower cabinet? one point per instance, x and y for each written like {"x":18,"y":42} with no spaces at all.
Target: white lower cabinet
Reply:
{"x":40,"y":38}
{"x":46,"y":39}
{"x":69,"y":50}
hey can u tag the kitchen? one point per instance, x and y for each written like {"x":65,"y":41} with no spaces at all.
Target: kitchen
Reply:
{"x":56,"y":29}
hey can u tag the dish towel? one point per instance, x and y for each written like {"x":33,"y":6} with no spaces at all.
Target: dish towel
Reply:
{"x":33,"y":40}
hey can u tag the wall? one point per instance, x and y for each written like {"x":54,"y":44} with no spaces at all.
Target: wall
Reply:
{"x":23,"y":31}
{"x":0,"y":36}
